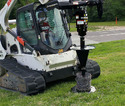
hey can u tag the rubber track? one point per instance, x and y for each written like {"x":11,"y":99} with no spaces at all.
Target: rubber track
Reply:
{"x":93,"y":68}
{"x":34,"y":81}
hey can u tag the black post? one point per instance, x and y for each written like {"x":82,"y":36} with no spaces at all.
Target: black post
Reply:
{"x":81,"y":25}
{"x":82,"y":42}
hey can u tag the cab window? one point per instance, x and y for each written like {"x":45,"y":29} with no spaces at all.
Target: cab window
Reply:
{"x":51,"y":27}
{"x":26,"y":27}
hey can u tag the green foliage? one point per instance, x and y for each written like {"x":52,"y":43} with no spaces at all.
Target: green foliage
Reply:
{"x":111,"y":10}
{"x":19,"y":4}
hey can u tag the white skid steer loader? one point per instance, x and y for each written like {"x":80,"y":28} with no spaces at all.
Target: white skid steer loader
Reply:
{"x":39,"y":50}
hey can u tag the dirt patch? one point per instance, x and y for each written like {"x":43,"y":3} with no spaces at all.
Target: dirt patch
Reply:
{"x":103,"y":28}
{"x":112,"y":27}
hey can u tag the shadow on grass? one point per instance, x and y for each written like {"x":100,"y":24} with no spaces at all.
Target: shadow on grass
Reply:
{"x":54,"y":83}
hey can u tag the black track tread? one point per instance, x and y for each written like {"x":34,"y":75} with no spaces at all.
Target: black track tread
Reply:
{"x":34,"y":81}
{"x":93,"y":68}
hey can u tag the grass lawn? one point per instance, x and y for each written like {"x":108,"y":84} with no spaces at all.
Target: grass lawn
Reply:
{"x":110,"y":85}
{"x":113,"y":23}
{"x":93,"y":26}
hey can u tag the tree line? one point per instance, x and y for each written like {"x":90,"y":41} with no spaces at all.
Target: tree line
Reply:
{"x":111,"y":10}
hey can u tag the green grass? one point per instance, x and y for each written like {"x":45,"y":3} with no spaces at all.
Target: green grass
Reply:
{"x":110,"y":85}
{"x":90,"y":27}
{"x":12,"y":26}
{"x":93,"y":26}
{"x":113,"y":23}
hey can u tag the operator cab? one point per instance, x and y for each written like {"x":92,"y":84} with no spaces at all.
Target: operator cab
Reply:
{"x":45,"y":30}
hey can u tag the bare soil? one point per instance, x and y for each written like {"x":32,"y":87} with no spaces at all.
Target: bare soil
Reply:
{"x":101,"y":28}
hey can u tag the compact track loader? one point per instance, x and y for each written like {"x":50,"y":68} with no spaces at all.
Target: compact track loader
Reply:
{"x":39,"y":50}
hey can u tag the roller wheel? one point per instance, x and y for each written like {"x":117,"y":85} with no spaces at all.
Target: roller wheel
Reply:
{"x":93,"y":68}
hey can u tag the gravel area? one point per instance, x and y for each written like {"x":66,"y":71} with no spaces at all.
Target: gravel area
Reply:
{"x":103,"y":28}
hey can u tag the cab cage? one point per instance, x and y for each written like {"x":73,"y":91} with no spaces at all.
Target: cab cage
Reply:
{"x":28,"y":28}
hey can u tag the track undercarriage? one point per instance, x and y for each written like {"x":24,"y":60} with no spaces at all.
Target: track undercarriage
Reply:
{"x":14,"y":76}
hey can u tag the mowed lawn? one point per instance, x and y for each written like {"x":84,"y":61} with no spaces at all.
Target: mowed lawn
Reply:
{"x":93,"y":26}
{"x":110,"y":84}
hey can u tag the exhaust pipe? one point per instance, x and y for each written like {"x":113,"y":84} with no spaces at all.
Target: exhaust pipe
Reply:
{"x":12,"y":21}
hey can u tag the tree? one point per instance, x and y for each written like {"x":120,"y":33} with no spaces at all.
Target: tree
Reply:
{"x":19,"y":4}
{"x":111,"y":10}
